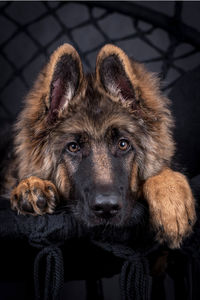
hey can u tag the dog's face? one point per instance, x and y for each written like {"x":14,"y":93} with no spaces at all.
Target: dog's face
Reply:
{"x":97,"y":137}
{"x":100,"y":176}
{"x":99,"y":156}
{"x":99,"y":144}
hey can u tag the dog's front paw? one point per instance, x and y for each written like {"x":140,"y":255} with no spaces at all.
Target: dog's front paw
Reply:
{"x":171,"y":206}
{"x":34,"y":196}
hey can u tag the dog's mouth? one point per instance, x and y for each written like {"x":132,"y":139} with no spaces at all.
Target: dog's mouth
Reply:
{"x":127,"y":217}
{"x":107,"y":221}
{"x":133,"y":226}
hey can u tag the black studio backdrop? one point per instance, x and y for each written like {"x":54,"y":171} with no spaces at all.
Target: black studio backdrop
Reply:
{"x":163,"y":35}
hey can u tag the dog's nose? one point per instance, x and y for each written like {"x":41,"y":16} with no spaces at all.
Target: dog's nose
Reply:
{"x":106,"y":206}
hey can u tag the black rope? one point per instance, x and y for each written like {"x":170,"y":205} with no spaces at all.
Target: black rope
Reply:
{"x":52,"y":257}
{"x":135,"y":279}
{"x":48,"y":233}
{"x":49,"y":264}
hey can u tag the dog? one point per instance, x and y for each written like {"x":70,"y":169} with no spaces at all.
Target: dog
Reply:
{"x":99,"y":142}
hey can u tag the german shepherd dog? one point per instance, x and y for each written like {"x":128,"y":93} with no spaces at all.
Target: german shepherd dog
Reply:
{"x":99,"y":142}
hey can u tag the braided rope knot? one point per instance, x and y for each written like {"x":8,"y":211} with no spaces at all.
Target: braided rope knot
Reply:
{"x":135,"y":279}
{"x":50,"y":262}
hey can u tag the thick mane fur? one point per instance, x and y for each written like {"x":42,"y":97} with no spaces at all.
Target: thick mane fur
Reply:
{"x":152,"y":118}
{"x":106,"y":136}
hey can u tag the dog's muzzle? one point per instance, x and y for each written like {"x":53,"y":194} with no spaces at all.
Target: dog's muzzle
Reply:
{"x":106,"y":204}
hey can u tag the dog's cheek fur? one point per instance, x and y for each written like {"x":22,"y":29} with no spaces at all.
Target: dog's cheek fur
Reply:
{"x":134,"y":180}
{"x":62,"y":180}
{"x":34,"y":129}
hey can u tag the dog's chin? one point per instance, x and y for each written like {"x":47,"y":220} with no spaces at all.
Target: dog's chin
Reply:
{"x":126,"y":230}
{"x":122,"y":228}
{"x":94,"y":221}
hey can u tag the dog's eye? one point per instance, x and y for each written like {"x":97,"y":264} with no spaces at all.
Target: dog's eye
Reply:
{"x":123,"y":145}
{"x":73,"y":147}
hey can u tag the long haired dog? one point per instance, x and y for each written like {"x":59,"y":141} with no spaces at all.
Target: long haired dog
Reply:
{"x":99,"y":142}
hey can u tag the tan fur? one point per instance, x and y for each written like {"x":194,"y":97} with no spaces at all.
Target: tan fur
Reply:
{"x":31,"y":189}
{"x":102,"y":166}
{"x":34,"y":114}
{"x":168,"y":194}
{"x":134,"y":178}
{"x":171,"y":206}
{"x":62,"y":181}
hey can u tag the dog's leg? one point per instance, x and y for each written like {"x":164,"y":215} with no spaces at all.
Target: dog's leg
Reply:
{"x":34,"y":196}
{"x":171,"y":206}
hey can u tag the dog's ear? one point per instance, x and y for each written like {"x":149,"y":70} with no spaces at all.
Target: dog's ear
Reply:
{"x":64,"y":75}
{"x":114,"y":72}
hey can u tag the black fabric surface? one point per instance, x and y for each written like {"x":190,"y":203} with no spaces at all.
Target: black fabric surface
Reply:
{"x":44,"y":251}
{"x":31,"y":245}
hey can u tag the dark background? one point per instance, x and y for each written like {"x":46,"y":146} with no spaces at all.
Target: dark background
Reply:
{"x":31,"y":31}
{"x":163,"y":35}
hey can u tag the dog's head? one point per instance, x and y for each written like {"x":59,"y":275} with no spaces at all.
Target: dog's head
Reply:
{"x":105,"y":133}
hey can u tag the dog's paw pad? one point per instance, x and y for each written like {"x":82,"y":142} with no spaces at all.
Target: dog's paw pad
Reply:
{"x":34,"y":196}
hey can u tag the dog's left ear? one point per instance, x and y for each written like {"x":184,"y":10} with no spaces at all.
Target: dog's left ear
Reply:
{"x":114,"y":72}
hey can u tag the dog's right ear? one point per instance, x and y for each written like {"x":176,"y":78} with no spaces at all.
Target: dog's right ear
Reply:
{"x":63,"y":74}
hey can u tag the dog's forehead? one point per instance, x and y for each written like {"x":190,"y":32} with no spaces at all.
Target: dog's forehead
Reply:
{"x":99,"y":121}
{"x":96,"y":114}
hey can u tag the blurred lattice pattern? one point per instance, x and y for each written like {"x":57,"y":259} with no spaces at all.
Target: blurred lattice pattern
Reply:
{"x":30,"y":31}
